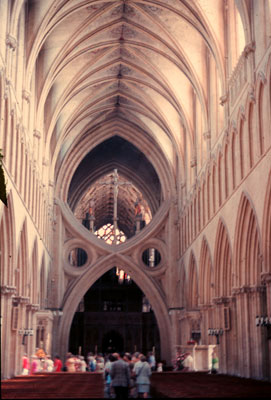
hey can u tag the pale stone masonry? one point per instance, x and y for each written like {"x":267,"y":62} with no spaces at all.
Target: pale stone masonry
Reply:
{"x":183,"y":91}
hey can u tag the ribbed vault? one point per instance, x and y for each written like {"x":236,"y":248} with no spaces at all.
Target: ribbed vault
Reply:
{"x":143,"y":64}
{"x":92,"y":184}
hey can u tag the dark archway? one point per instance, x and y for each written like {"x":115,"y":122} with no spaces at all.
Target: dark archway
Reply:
{"x":114,"y":316}
{"x":112,"y":342}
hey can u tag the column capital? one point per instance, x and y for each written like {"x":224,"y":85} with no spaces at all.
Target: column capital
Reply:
{"x":249,"y":48}
{"x":221,"y":300}
{"x":21,"y":299}
{"x":266,"y":278}
{"x":8,"y":290}
{"x":36,"y":134}
{"x":207,"y":135}
{"x":248,"y":289}
{"x":26,"y":95}
{"x":223,"y":99}
{"x":11,"y":41}
{"x":33,"y":307}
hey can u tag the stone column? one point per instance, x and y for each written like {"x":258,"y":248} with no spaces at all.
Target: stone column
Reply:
{"x":32,"y":309}
{"x":46,"y":319}
{"x":266,"y":280}
{"x":251,"y":340}
{"x":242,"y":331}
{"x":224,"y":347}
{"x":6,"y":315}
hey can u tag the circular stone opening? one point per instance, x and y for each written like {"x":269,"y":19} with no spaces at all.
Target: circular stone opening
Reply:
{"x":151,"y":257}
{"x":77,"y":257}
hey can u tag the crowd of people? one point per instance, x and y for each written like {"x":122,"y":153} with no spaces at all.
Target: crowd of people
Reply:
{"x":40,"y":364}
{"x":125,"y":374}
{"x":128,"y":375}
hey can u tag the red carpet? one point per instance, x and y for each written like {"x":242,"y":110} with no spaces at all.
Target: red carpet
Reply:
{"x":65,"y":385}
{"x":62,"y":385}
{"x":204,"y":385}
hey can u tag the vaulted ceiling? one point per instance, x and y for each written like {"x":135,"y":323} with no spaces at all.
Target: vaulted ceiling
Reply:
{"x":141,"y":63}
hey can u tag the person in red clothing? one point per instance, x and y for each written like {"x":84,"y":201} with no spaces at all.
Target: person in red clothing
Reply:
{"x":34,"y":364}
{"x":57,"y":364}
{"x":25,"y":365}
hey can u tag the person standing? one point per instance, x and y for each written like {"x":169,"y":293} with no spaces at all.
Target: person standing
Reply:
{"x":214,"y":369}
{"x":57,"y":364}
{"x":83,"y":366}
{"x":143,"y":372}
{"x":25,"y":365}
{"x":152,"y":361}
{"x":49,"y":364}
{"x":34,"y":364}
{"x":120,"y":375}
{"x":70,"y":363}
{"x":107,"y":376}
{"x":188,"y":362}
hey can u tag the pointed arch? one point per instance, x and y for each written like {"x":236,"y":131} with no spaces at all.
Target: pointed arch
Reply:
{"x":222,"y":262}
{"x":267,"y":227}
{"x":21,"y":271}
{"x":7,"y":242}
{"x":214,"y":180}
{"x":233,"y":159}
{"x":34,"y":275}
{"x":220,"y":178}
{"x":261,"y":113}
{"x":226,"y":171}
{"x":251,"y":128}
{"x":244,"y":16}
{"x":182,"y":286}
{"x":145,"y":282}
{"x":247,"y":253}
{"x":203,"y":202}
{"x":42,"y":285}
{"x":241,"y":148}
{"x":205,"y":274}
{"x":208,"y":197}
{"x":192,"y":283}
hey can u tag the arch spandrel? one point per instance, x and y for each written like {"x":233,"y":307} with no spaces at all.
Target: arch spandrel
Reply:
{"x":147,"y":284}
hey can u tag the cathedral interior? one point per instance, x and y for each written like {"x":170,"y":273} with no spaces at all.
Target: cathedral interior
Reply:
{"x":136,"y":146}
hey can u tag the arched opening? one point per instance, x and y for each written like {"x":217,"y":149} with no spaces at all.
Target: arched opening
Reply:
{"x":114,"y":315}
{"x":112,"y":341}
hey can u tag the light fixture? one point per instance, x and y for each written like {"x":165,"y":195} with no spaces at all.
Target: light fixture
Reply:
{"x":215,"y":332}
{"x":26,"y":332}
{"x":263,"y":321}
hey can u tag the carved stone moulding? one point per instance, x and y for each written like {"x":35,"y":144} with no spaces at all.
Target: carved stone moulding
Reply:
{"x":20,"y":300}
{"x":223,"y":99}
{"x":8,"y":290}
{"x":248,"y":289}
{"x":11,"y":41}
{"x":193,"y":315}
{"x":206,"y":307}
{"x":26,"y":95}
{"x":250,"y":48}
{"x":266,"y":278}
{"x":221,"y":300}
{"x":33,"y":307}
